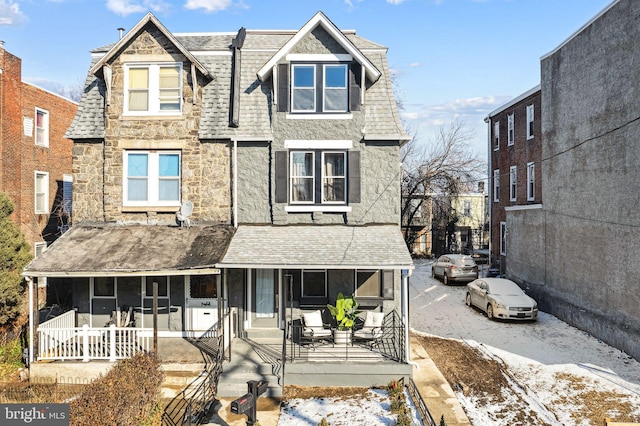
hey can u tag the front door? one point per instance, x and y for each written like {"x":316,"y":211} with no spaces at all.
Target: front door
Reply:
{"x":202,"y":302}
{"x":264,"y":299}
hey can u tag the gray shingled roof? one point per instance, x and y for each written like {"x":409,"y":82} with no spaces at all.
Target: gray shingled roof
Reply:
{"x":382,"y":120}
{"x":313,"y":246}
{"x":113,"y":249}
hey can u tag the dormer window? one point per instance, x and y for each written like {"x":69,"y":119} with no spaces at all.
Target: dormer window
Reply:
{"x":310,"y":81}
{"x":153,"y":89}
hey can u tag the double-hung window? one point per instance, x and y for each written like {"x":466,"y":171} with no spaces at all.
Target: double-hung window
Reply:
{"x":530,"y":119}
{"x":513,"y":171}
{"x":319,"y":88}
{"x":42,"y":127}
{"x":466,"y":208}
{"x":153,"y":89}
{"x":531,"y":181}
{"x":151,"y":178}
{"x":41,"y":192}
{"x":318,"y":183}
{"x":503,"y":238}
{"x":510,"y":132}
{"x":496,"y":135}
{"x":496,"y":185}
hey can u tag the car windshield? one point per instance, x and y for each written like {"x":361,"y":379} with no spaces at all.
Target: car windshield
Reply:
{"x":504,"y":288}
{"x":465,"y":261}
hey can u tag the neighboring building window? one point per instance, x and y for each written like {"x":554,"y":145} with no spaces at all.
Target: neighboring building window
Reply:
{"x":42,"y":127}
{"x":466,"y":208}
{"x":151,"y":178}
{"x":39,"y":248}
{"x":510,"y":134}
{"x":314,"y":283}
{"x":530,"y":119}
{"x":330,"y":185}
{"x":503,"y":238}
{"x":496,"y":185}
{"x":513,"y":182}
{"x":531,"y":181}
{"x":153,"y":89}
{"x":41,"y":192}
{"x":496,"y":135}
{"x":334,"y":91}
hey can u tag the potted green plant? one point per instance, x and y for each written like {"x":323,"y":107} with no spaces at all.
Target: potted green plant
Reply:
{"x":345,"y":313}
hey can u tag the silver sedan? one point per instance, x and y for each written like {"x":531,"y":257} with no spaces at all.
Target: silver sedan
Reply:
{"x":501,"y":298}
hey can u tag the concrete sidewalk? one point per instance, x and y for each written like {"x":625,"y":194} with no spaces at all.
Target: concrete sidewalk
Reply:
{"x":434,"y":388}
{"x":435,"y":391}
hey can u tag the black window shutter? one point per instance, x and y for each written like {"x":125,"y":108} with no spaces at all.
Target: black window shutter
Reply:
{"x":283,"y":87}
{"x":354,"y":176}
{"x":281,"y":176}
{"x":355,"y":78}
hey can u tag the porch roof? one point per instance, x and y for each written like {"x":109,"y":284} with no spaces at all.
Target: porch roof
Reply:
{"x":318,"y":247}
{"x":133,"y":250}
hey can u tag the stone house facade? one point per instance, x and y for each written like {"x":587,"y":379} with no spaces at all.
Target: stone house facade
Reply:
{"x":35,"y":160}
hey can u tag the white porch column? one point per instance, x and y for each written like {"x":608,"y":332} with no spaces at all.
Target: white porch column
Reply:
{"x":406,"y":273}
{"x":31,"y":319}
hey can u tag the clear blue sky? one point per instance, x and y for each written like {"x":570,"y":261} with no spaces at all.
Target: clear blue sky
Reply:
{"x":454,"y":58}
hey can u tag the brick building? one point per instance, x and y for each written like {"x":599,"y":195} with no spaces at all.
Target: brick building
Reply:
{"x":514,"y":165}
{"x":35,"y":157}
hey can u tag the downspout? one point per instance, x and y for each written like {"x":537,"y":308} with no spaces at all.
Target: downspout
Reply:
{"x":490,"y":184}
{"x":31,"y":321}
{"x":235,"y":183}
{"x":406,"y":273}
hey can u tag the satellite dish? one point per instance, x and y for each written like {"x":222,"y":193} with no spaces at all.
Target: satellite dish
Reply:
{"x":182,"y":216}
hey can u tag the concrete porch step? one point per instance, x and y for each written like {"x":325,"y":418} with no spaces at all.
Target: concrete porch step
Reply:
{"x":178,"y":376}
{"x":235,"y":385}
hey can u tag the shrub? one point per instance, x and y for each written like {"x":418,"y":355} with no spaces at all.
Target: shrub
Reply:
{"x":127,"y":395}
{"x":323,"y":422}
{"x":15,"y":253}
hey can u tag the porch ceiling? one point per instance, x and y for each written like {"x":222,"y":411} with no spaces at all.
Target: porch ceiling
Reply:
{"x":318,"y":246}
{"x":133,"y":249}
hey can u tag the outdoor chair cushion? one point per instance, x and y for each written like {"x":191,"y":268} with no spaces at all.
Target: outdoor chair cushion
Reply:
{"x":313,"y":325}
{"x":372,"y":328}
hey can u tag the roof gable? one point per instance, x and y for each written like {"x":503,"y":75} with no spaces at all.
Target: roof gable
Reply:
{"x":319,"y":19}
{"x":135,"y":31}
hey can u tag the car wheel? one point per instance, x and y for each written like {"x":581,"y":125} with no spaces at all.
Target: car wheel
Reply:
{"x":433,"y":273}
{"x":490,"y":311}
{"x":468,"y":299}
{"x":445,"y":279}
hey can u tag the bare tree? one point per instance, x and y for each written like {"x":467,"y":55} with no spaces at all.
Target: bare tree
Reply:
{"x":435,"y":172}
{"x":73,"y":91}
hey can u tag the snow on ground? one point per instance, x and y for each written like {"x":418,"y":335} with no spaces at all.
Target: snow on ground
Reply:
{"x":553,"y":366}
{"x":342,"y":411}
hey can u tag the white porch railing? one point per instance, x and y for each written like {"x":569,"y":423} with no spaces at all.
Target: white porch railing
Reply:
{"x":85,"y":343}
{"x":66,"y":320}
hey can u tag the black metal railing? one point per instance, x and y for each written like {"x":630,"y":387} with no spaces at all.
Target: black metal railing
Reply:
{"x":193,"y":404}
{"x":389,"y":345}
{"x":421,"y":407}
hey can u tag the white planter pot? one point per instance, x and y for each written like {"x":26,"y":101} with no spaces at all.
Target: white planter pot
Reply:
{"x":342,"y":337}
